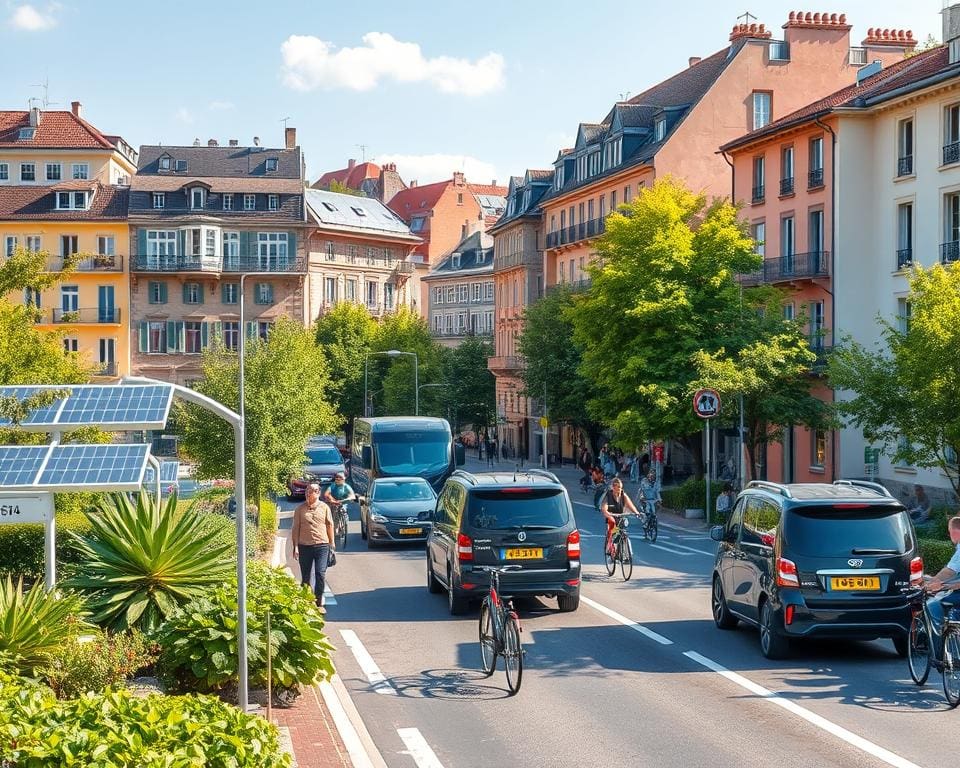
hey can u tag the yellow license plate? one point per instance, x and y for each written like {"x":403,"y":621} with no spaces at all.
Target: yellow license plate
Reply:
{"x":528,"y":553}
{"x":855,"y":583}
{"x":411,"y":531}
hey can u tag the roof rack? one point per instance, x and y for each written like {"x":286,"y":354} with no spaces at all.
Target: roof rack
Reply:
{"x":540,"y":473}
{"x":882,"y":490}
{"x":468,"y":476}
{"x":768,"y":485}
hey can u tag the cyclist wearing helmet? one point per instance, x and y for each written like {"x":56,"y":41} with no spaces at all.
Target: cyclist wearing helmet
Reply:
{"x":339,"y":491}
{"x":615,"y":502}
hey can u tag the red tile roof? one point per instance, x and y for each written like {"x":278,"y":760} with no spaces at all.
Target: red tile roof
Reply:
{"x":487,"y":189}
{"x":37,"y":203}
{"x":352,"y":178}
{"x":413,"y":200}
{"x":56,"y":130}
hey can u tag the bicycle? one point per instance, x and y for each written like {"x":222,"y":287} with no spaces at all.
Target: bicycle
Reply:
{"x":919,"y":650}
{"x":340,"y":521}
{"x":650,"y":525}
{"x":499,"y":630}
{"x":622,"y":548}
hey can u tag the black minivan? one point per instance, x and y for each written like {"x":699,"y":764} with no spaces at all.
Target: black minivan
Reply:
{"x":816,"y":560}
{"x":521,"y":518}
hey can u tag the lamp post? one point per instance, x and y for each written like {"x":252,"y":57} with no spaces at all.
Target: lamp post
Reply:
{"x":416,"y":377}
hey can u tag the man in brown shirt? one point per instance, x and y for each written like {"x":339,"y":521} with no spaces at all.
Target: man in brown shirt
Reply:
{"x":312,"y":538}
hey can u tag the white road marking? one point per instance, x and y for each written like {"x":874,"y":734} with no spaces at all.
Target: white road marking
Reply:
{"x":368,"y":666}
{"x":418,"y":748}
{"x":279,"y":547}
{"x":626,"y":622}
{"x":694,"y":549}
{"x":820,"y":722}
{"x":328,"y":597}
{"x":671,"y":550}
{"x":351,"y":739}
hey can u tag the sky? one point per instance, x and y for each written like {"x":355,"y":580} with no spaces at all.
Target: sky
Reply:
{"x":487,"y":88}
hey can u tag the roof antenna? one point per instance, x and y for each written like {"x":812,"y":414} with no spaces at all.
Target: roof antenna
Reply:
{"x":46,"y":91}
{"x":363,"y":152}
{"x":625,"y":95}
{"x":747,"y":17}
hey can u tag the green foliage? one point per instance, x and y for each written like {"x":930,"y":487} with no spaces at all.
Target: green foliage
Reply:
{"x":286,"y":384}
{"x":341,"y":188}
{"x":391,"y":379}
{"x":220,"y":533}
{"x":935,"y":553}
{"x":142,"y":561}
{"x":905,"y":392}
{"x":469,"y":392}
{"x":692,"y":494}
{"x":92,"y":665}
{"x":344,"y":335}
{"x":199,"y":641}
{"x":268,"y":525}
{"x":21,"y":545}
{"x":33,"y":624}
{"x":118,"y":730}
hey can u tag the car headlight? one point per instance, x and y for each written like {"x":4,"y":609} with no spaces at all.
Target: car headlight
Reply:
{"x":377,"y":517}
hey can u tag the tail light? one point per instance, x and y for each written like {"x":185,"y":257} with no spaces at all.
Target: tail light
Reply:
{"x":788,"y":615}
{"x":573,"y":546}
{"x":916,"y":571}
{"x":464,"y":548}
{"x":787,"y":573}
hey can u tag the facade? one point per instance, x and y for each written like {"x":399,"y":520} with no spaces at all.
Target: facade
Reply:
{"x":380,"y":183}
{"x":460,"y":291}
{"x":63,"y":190}
{"x":517,"y":283}
{"x":211,"y":227}
{"x":358,"y":250}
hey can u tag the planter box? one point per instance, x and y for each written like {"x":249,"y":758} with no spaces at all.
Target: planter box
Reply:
{"x":693,"y":514}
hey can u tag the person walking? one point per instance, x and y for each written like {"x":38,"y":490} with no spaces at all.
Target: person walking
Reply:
{"x":312,"y":538}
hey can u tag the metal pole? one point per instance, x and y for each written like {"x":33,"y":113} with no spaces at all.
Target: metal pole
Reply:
{"x":366,"y":359}
{"x":269,"y":672}
{"x":240,"y":492}
{"x":546,"y":463}
{"x":707,"y":514}
{"x":156,"y":470}
{"x":416,"y":387}
{"x":741,"y":460}
{"x":50,"y":538}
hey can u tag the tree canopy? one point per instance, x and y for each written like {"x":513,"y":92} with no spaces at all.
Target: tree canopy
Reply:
{"x":391,"y":379}
{"x":468,"y":394}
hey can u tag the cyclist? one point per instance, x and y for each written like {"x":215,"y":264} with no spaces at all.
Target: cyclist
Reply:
{"x":615,"y":502}
{"x":940,"y":606}
{"x":649,"y":495}
{"x":598,"y":484}
{"x":338,"y":492}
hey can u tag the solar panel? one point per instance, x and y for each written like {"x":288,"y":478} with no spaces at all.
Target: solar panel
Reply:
{"x":111,"y":407}
{"x":19,"y":464}
{"x":169,"y":472}
{"x":120,"y":467}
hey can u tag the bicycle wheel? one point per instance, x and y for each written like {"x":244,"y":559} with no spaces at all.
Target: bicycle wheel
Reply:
{"x":610,"y":559}
{"x":512,"y":654}
{"x":652,"y":526}
{"x":918,"y":651}
{"x":488,"y":639}
{"x":626,"y":558}
{"x":340,"y":532}
{"x":646,"y":527}
{"x":951,"y":666}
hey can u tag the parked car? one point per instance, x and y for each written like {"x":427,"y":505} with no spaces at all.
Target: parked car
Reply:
{"x":523,"y":518}
{"x":815,"y":560}
{"x":396,"y":509}
{"x":321,"y":462}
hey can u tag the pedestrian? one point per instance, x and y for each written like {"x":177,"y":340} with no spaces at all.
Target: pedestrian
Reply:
{"x":634,"y":468}
{"x":919,"y":508}
{"x":489,"y":447}
{"x":312,"y":538}
{"x":725,"y":502}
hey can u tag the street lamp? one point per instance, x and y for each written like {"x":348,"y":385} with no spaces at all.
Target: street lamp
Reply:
{"x":416,"y":377}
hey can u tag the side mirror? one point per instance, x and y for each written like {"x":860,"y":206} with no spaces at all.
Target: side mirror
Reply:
{"x":459,"y":455}
{"x":716,"y":533}
{"x":366,"y":457}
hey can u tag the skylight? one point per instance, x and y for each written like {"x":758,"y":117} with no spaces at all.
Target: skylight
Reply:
{"x":330,"y":206}
{"x":27,"y":133}
{"x":358,"y":211}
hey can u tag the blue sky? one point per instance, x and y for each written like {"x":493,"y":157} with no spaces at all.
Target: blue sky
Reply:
{"x":490,"y":88}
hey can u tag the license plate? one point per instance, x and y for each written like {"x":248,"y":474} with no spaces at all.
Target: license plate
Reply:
{"x":410,"y":531}
{"x":526,"y":553}
{"x":855,"y":583}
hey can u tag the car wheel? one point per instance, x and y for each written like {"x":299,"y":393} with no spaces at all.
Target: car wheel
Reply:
{"x":434,"y":587}
{"x":721,"y":612}
{"x":568,"y":603}
{"x":363,"y":528}
{"x":371,"y":544}
{"x":773,"y":645}
{"x":457,"y":605}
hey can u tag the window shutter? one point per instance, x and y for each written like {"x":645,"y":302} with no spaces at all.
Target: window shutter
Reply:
{"x":150,"y":289}
{"x":141,"y":242}
{"x":201,"y":290}
{"x":217,"y":332}
{"x":181,"y":337}
{"x":204,"y":335}
{"x":251,"y":331}
{"x":181,"y":242}
{"x":144,"y":331}
{"x":163,"y":293}
{"x":292,"y":247}
{"x":223,"y":293}
{"x":171,"y":336}
{"x":186,"y":293}
{"x":269,"y":293}
{"x":245,"y":246}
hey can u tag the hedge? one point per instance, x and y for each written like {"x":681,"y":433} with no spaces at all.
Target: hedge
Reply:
{"x":268,"y":524}
{"x":935,"y":553}
{"x":691,"y":494}
{"x":21,"y":546}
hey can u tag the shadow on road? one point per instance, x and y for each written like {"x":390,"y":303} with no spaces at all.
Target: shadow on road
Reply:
{"x":457,"y":684}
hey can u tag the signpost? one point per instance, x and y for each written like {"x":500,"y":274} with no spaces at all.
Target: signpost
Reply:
{"x":34,"y":508}
{"x":706,"y":405}
{"x":871,"y":461}
{"x":544,"y":423}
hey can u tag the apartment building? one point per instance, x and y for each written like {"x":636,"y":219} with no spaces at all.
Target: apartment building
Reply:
{"x":371,"y":180}
{"x":63,"y":190}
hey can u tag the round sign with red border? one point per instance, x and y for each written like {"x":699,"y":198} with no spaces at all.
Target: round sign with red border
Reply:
{"x":706,"y":403}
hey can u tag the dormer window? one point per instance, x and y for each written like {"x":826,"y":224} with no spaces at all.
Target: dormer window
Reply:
{"x":481,"y":256}
{"x":164,"y":163}
{"x":181,"y":165}
{"x":455,"y":261}
{"x":197,"y":197}
{"x":330,"y":207}
{"x":273,"y":202}
{"x":358,"y":211}
{"x":159,"y":200}
{"x":558,"y":178}
{"x":271,"y":163}
{"x":26,"y":134}
{"x":660,"y":129}
{"x":416,"y":224}
{"x":71,"y":201}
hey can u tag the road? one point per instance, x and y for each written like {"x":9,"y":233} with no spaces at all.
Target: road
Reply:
{"x":639,"y":675}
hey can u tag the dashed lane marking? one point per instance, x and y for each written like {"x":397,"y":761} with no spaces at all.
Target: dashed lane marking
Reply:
{"x":418,"y":748}
{"x":636,"y":626}
{"x":368,"y":666}
{"x":671,"y":550}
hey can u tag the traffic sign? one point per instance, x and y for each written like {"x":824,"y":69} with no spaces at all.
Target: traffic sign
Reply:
{"x":544,"y":423}
{"x":26,"y":508}
{"x":706,"y":403}
{"x":658,"y":452}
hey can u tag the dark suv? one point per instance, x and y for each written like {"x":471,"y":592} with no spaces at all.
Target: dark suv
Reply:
{"x":815,"y":560}
{"x":522,"y":518}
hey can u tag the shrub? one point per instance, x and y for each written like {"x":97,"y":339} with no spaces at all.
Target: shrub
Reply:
{"x":143,"y":560}
{"x":221,"y":531}
{"x":107,"y":659}
{"x":935,"y":553}
{"x":199,"y":641}
{"x":34,"y":624}
{"x":692,"y":494}
{"x":268,"y":524}
{"x":21,"y":546}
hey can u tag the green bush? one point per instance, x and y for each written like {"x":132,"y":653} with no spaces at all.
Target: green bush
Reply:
{"x":199,"y":641}
{"x":79,"y":667}
{"x":692,"y":494}
{"x":118,"y":730}
{"x":268,"y":524}
{"x":220,"y":531}
{"x":935,"y":553}
{"x":21,"y":546}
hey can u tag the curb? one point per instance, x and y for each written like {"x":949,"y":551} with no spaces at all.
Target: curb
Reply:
{"x":362,"y":751}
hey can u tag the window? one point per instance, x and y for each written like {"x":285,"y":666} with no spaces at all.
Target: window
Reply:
{"x":459,"y":198}
{"x":759,"y":176}
{"x":373,"y":293}
{"x":451,"y":295}
{"x":69,"y":298}
{"x":193,"y":337}
{"x":660,"y":129}
{"x":603,"y":206}
{"x":249,"y":202}
{"x":107,"y":354}
{"x":31,"y":298}
{"x":815,"y":175}
{"x":477,"y":292}
{"x":209,"y":242}
{"x":905,"y":147}
{"x":350,"y":290}
{"x":271,"y":163}
{"x":156,"y":337}
{"x":273,"y":202}
{"x":416,"y":224}
{"x":272,"y":250}
{"x":263,"y":329}
{"x":157,"y":292}
{"x":463,"y":293}
{"x":227,"y":201}
{"x":815,"y":235}
{"x":231,"y":335}
{"x":81,"y":171}
{"x":263,"y":294}
{"x":904,"y":235}
{"x":787,"y":241}
{"x":230,"y":293}
{"x":627,"y":194}
{"x":192,"y":293}
{"x":68,"y":245}
{"x":613,"y":200}
{"x":816,"y":325}
{"x":455,"y":261}
{"x":159,"y":200}
{"x":71,"y":344}
{"x":330,"y":290}
{"x":388,"y":296}
{"x":33,"y":243}
{"x":448,"y":324}
{"x":904,"y":313}
{"x":951,"y":134}
{"x":106,"y":245}
{"x":438,"y":295}
{"x":79,"y":201}
{"x":180,"y":165}
{"x":558,"y":178}
{"x":760,"y":236}
{"x":760,"y":521}
{"x":28,"y":172}
{"x":761,"y":109}
{"x":164,"y":163}
{"x":196,"y":197}
{"x":437,"y":323}
{"x":4,"y":171}
{"x":231,"y":250}
{"x":53,"y":171}
{"x":488,"y":291}
{"x":161,"y":247}
{"x":789,"y":311}
{"x":786,"y":171}
{"x":818,"y":448}
{"x":951,"y":220}
{"x":593,"y":163}
{"x":10,"y":245}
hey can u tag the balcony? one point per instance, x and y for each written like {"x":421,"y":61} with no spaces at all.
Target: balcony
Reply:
{"x":215,"y":265}
{"x":822,"y":351}
{"x":578,"y":285}
{"x":461,"y":333}
{"x":101,"y":315}
{"x":815,"y":178}
{"x":98,"y":263}
{"x":505,"y":363}
{"x":576,"y":233}
{"x":904,"y":258}
{"x":786,"y":186}
{"x":356,"y":259}
{"x":758,"y":193}
{"x":949,"y":252}
{"x":905,"y":165}
{"x":785,"y":269}
{"x":108,"y":368}
{"x":526,"y":258}
{"x":951,"y":153}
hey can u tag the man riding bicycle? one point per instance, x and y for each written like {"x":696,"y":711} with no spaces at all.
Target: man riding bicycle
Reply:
{"x":615,"y":502}
{"x":649,"y":495}
{"x":939,"y":607}
{"x":338,"y":492}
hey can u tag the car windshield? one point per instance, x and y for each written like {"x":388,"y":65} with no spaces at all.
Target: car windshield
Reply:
{"x":326,"y":455}
{"x":401,"y":453}
{"x":405,"y":490}
{"x":847,"y":529}
{"x":518,"y":508}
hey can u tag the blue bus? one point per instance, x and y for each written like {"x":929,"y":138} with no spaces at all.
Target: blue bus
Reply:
{"x":396,"y":446}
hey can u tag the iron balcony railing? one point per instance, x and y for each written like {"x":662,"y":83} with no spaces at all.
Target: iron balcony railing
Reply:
{"x":110,"y":315}
{"x":797,"y":266}
{"x":505,"y":363}
{"x":358,"y":259}
{"x":577,"y":285}
{"x":822,"y":351}
{"x":577,"y":232}
{"x":786,"y":186}
{"x":904,"y":258}
{"x":951,"y":153}
{"x":215,"y":264}
{"x":525,"y":258}
{"x":460,"y":333}
{"x":905,"y":165}
{"x":96,"y":263}
{"x":758,"y":193}
{"x":950,"y":252}
{"x":815,"y":178}
{"x":108,"y":368}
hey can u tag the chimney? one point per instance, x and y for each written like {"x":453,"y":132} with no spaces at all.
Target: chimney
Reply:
{"x":213,"y":143}
{"x":76,"y":107}
{"x":754,"y":31}
{"x":808,"y":20}
{"x":390,"y":182}
{"x":196,"y":142}
{"x":458,"y":178}
{"x":951,"y":28}
{"x":290,"y":137}
{"x":493,"y":183}
{"x":413,"y":184}
{"x":694,"y":60}
{"x":256,"y":141}
{"x":351,"y":164}
{"x":898,"y":38}
{"x":234,"y":143}
{"x":34,"y":117}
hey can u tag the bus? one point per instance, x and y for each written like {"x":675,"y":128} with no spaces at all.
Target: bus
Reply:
{"x":395,"y":446}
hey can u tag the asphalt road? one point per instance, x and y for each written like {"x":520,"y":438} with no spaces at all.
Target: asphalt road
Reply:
{"x":639,"y":675}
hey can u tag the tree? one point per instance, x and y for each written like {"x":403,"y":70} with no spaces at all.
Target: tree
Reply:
{"x":287,"y":394}
{"x":905,"y":393}
{"x":469,"y":392}
{"x":663,"y":289}
{"x":342,"y":189}
{"x":391,"y":379}
{"x":552,"y":362}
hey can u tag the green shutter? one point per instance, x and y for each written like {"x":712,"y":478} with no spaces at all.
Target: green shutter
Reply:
{"x":251,"y":331}
{"x":181,"y":337}
{"x":150,"y":290}
{"x":269,"y":293}
{"x":171,"y":336}
{"x":292,"y":247}
{"x":245,"y":244}
{"x":204,"y":335}
{"x":163,"y":293}
{"x":223,"y":293}
{"x":141,"y":242}
{"x":200,"y":293}
{"x":186,"y":293}
{"x":182,"y":242}
{"x":144,"y":331}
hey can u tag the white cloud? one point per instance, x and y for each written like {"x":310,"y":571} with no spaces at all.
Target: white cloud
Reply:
{"x":310,"y":63}
{"x":29,"y":19}
{"x":220,"y":106}
{"x":184,"y":115}
{"x":426,"y":169}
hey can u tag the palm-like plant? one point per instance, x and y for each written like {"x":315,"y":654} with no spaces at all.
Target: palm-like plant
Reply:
{"x":144,"y":560}
{"x":34,"y":623}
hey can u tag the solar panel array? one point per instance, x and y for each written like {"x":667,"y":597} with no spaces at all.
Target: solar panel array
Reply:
{"x":19,"y":465}
{"x":169,"y":472}
{"x":111,"y":407}
{"x":117,"y":467}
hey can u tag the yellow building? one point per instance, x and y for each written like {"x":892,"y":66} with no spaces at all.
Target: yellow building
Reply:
{"x":63,"y":190}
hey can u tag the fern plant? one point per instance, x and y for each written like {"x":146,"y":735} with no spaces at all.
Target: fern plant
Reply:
{"x":144,"y":560}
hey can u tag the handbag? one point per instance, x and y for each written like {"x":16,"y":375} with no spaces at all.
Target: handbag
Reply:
{"x":331,"y":558}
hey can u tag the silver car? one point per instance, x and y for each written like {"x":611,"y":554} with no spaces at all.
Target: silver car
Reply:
{"x":396,"y":509}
